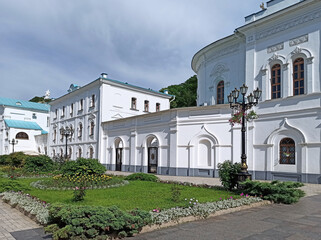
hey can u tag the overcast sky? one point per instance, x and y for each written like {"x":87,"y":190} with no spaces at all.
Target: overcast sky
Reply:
{"x":49,"y":44}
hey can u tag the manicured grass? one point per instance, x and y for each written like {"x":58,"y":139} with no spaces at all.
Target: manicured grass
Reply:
{"x":137,"y":194}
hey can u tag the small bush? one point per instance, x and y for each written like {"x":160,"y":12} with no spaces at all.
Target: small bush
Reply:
{"x":83,"y":166}
{"x":39,"y":164}
{"x":142,"y":177}
{"x":276,"y":191}
{"x":82,"y":222}
{"x":176,"y":192}
{"x":227,"y":172}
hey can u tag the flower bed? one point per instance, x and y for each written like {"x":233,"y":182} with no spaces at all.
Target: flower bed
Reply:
{"x":69,"y":183}
{"x":29,"y":205}
{"x":200,"y":209}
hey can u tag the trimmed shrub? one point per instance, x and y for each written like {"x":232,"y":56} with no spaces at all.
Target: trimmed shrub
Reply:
{"x":83,"y":222}
{"x":4,"y":159}
{"x":276,"y":191}
{"x":83,"y":166}
{"x":142,"y":177}
{"x":40,"y":163}
{"x":227,"y":172}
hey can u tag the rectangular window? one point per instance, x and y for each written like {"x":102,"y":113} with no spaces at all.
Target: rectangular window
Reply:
{"x":146,"y":106}
{"x":157,"y":107}
{"x":63,"y":111}
{"x":81,"y":104}
{"x":56,"y":113}
{"x":71,"y":109}
{"x":48,"y":121}
{"x":134,"y":104}
{"x":92,"y":101}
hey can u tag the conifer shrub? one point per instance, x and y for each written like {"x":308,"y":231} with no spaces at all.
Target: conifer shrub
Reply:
{"x":142,"y":177}
{"x":83,"y":166}
{"x":228,"y":173}
{"x":85,"y":222}
{"x":16,"y":159}
{"x":276,"y":191}
{"x":4,"y":159}
{"x":7,"y":184}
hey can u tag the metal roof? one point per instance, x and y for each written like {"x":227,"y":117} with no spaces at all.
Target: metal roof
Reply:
{"x":22,"y":124}
{"x":24,"y":104}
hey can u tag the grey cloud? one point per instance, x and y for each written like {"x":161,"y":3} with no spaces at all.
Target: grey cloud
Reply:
{"x":51,"y":44}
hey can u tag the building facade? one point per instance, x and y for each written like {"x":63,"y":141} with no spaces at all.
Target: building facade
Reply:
{"x":277,"y":50}
{"x":83,"y":110}
{"x":22,"y":121}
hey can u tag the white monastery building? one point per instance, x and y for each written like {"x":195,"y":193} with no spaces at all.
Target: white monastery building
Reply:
{"x":84,"y":109}
{"x":277,"y":50}
{"x":22,"y":122}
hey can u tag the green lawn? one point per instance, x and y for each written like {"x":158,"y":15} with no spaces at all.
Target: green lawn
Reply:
{"x":137,"y":194}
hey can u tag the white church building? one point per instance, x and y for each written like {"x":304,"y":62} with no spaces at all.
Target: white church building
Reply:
{"x":278,"y":50}
{"x":21,"y":124}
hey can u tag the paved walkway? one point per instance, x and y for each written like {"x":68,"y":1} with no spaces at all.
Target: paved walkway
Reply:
{"x":289,"y":221}
{"x":300,"y":221}
{"x":11,"y":221}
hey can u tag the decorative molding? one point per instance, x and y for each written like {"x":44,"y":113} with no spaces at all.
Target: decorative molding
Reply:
{"x":285,"y":66}
{"x":275,"y":57}
{"x":297,"y":50}
{"x":289,"y":24}
{"x":225,"y":51}
{"x":264,"y":72}
{"x":299,"y":40}
{"x":310,"y":60}
{"x":275,"y":48}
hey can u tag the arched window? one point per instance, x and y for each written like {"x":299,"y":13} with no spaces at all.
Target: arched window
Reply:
{"x":22,"y":135}
{"x":220,"y":92}
{"x":79,"y":152}
{"x":54,"y":152}
{"x":54,"y":135}
{"x":91,"y":152}
{"x":91,"y":129}
{"x":276,"y":81}
{"x":80,"y":130}
{"x":61,"y":152}
{"x":70,"y":152}
{"x":287,"y":151}
{"x":298,"y":76}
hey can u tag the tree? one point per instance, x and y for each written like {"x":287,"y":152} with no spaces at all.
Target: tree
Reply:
{"x":185,"y":93}
{"x":40,"y":100}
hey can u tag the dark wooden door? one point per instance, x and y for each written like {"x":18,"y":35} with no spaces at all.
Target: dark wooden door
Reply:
{"x":152,"y":159}
{"x":119,"y":156}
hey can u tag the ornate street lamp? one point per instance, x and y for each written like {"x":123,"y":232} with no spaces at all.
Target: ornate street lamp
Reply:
{"x":243,"y":106}
{"x":68,"y":131}
{"x":13,"y":142}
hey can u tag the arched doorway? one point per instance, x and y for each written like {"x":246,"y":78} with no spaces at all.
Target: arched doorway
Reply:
{"x":152,"y":153}
{"x":119,"y":154}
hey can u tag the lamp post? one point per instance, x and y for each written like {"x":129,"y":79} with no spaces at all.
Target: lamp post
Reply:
{"x":13,"y":142}
{"x":243,"y":106}
{"x":66,"y":132}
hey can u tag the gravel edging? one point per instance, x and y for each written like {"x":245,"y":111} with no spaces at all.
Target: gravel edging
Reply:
{"x":150,"y":228}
